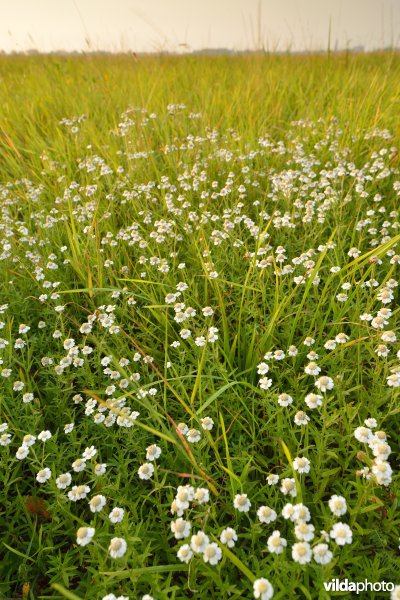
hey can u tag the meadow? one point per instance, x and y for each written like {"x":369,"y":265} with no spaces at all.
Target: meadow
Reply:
{"x":199,"y":359}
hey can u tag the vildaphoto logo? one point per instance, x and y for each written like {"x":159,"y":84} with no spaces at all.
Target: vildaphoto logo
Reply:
{"x":344,"y":585}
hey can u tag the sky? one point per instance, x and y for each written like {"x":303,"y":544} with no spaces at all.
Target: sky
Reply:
{"x":187,"y":25}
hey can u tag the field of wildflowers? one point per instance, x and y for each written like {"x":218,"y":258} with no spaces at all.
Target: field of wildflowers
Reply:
{"x":200,"y":363}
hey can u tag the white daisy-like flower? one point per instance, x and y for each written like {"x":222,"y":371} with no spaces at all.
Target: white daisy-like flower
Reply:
{"x":312,"y":369}
{"x":313,"y":400}
{"x":44,"y":436}
{"x":338,"y":505}
{"x":79,"y":465}
{"x":63,"y":481}
{"x":301,"y":553}
{"x":201,"y":495}
{"x":185,"y":553}
{"x":193,"y":436}
{"x":322,"y":554}
{"x":265,"y":383}
{"x":266,"y":514}
{"x":288,"y":511}
{"x":199,"y":542}
{"x":97,"y":503}
{"x":153,"y":452}
{"x":43,"y":475}
{"x":288,"y":487}
{"x":395,"y":594}
{"x":304,"y":531}
{"x":301,"y":418}
{"x":272,"y":479}
{"x":28,"y":440}
{"x":116,"y":515}
{"x":363,"y":434}
{"x":276,"y":543}
{"x":117,"y":547}
{"x":262,"y":589}
{"x":324,"y":383}
{"x":341,"y":533}
{"x":301,"y":464}
{"x":285,"y":399}
{"x":242,"y":503}
{"x":207,"y":423}
{"x":89,"y":453}
{"x":100,"y":469}
{"x":180,"y":528}
{"x":146,"y":471}
{"x":300,"y":513}
{"x":228,"y":537}
{"x":84,"y":535}
{"x":212,"y":554}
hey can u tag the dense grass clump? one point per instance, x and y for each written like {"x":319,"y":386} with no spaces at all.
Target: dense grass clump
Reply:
{"x":199,"y":307}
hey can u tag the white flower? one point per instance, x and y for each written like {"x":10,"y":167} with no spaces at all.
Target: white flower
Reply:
{"x":242,"y":503}
{"x":78,"y":492}
{"x":288,"y":486}
{"x":301,"y":418}
{"x":100,"y":469}
{"x":44,"y":436}
{"x":265,"y":383}
{"x":284,"y":399}
{"x":262,"y":368}
{"x":193,"y":436}
{"x":263,"y":589}
{"x":301,"y":464}
{"x":84,"y":535}
{"x":266,"y":514}
{"x":97,"y":503}
{"x":324,"y":383}
{"x":180,"y":528}
{"x":185,"y":553}
{"x":117,"y":547}
{"x":28,"y":440}
{"x":201,"y":495}
{"x":5,"y":439}
{"x":363,"y":434}
{"x":313,"y":400}
{"x":395,"y":595}
{"x":63,"y":481}
{"x":146,"y":471}
{"x":300,"y":513}
{"x":199,"y":542}
{"x":272,"y":479}
{"x":276,"y":544}
{"x":153,"y":452}
{"x":312,"y":369}
{"x":304,"y":531}
{"x":288,"y":511}
{"x":382,"y":472}
{"x":228,"y":537}
{"x":301,"y":553}
{"x":43,"y":475}
{"x":116,"y":515}
{"x":212,"y":554}
{"x":338,"y":506}
{"x":341,"y":533}
{"x":78,"y":465}
{"x":89,"y":453}
{"x":322,"y":554}
{"x":207,"y":423}
{"x":184,"y":495}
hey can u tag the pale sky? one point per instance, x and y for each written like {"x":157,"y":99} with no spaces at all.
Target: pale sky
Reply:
{"x":176,"y":25}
